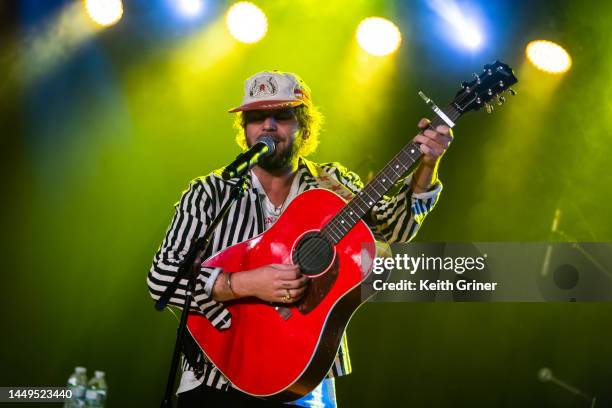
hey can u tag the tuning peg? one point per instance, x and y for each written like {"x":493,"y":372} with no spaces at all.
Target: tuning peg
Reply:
{"x":489,"y":107}
{"x":500,"y":100}
{"x":477,"y":78}
{"x":512,"y":91}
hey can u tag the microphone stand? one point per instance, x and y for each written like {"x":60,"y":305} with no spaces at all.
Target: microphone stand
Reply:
{"x":189,"y":269}
{"x":545,"y":375}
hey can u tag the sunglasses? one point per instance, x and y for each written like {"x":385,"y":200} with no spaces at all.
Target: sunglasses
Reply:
{"x":261,"y":115}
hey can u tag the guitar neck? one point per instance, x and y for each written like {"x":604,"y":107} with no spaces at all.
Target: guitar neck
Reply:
{"x":363,"y":202}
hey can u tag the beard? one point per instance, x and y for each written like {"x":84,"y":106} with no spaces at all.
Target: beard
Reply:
{"x":281,"y":159}
{"x":277,"y":161}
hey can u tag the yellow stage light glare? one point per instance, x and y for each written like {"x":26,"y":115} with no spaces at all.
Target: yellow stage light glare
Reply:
{"x":246,"y":22}
{"x":104,"y":12}
{"x":378,"y":36}
{"x":548,"y":56}
{"x":190,"y":8}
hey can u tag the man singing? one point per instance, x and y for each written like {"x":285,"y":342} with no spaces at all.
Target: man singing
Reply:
{"x":279,"y":105}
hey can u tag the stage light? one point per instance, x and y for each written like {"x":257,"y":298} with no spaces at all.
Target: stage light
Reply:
{"x":246,"y":22}
{"x":104,"y":12}
{"x":460,"y":23}
{"x":378,"y":36}
{"x":548,"y":56}
{"x":189,"y":8}
{"x":469,"y":35}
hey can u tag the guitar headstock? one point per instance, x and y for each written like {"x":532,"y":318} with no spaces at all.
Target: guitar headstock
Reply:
{"x":496,"y":79}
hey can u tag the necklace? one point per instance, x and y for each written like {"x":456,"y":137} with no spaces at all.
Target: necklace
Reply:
{"x":269,"y":206}
{"x":272,"y":208}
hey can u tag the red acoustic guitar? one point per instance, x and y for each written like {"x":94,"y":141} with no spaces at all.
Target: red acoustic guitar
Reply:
{"x":282,"y":352}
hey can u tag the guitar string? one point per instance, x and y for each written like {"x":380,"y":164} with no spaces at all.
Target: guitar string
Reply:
{"x":331,"y":227}
{"x":383,"y":172}
{"x":456,"y":113}
{"x":337,"y":229}
{"x":315,"y":248}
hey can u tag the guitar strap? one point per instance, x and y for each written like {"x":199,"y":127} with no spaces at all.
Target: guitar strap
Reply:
{"x":327,"y":182}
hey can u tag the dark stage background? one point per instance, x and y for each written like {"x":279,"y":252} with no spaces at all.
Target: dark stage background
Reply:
{"x":101,"y":131}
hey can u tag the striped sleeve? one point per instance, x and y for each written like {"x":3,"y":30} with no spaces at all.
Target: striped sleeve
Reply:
{"x":396,"y":218}
{"x":192,"y":214}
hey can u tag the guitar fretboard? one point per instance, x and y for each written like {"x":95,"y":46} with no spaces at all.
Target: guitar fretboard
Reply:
{"x":363,"y":202}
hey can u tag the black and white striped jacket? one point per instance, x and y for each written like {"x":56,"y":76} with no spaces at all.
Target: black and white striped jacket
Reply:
{"x":397,"y":218}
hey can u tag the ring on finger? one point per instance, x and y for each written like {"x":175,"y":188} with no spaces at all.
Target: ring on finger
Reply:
{"x":287,"y":297}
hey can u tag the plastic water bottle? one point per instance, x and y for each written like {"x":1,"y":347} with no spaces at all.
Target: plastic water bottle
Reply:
{"x":77,"y":383}
{"x":95,"y":396}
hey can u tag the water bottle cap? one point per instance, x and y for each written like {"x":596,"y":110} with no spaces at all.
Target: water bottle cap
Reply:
{"x":80,"y":370}
{"x":99,"y":374}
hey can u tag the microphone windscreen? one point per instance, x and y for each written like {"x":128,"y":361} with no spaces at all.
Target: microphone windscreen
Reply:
{"x":268,"y":141}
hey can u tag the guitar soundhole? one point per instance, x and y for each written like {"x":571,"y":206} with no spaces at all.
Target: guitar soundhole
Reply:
{"x":313,"y":253}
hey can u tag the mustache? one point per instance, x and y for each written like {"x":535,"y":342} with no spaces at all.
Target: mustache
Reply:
{"x":274,"y":137}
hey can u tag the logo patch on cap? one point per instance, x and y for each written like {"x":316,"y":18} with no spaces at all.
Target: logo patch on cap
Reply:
{"x":263,"y":87}
{"x":298,"y":91}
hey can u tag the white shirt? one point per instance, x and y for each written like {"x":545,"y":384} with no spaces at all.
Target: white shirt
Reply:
{"x":270,"y":211}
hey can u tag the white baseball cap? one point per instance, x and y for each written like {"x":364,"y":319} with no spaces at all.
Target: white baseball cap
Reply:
{"x":273,"y":90}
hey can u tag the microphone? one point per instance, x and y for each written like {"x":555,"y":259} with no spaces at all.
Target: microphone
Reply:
{"x":245,"y":161}
{"x":554,"y":229}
